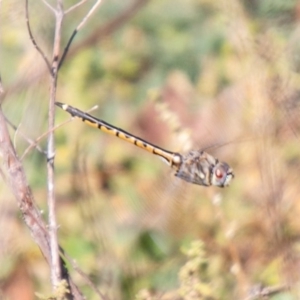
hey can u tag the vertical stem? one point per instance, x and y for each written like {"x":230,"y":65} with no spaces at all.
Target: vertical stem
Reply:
{"x":55,"y":259}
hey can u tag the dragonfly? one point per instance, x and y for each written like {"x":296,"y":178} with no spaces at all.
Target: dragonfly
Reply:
{"x":196,"y":167}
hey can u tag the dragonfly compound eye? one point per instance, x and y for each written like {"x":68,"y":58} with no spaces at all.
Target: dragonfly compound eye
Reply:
{"x":219,"y":173}
{"x":222,"y":175}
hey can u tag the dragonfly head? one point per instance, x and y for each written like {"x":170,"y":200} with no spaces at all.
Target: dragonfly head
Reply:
{"x":222,"y":174}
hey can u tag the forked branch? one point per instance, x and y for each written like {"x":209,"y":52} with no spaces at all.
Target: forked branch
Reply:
{"x":81,"y":24}
{"x":33,"y":39}
{"x":18,"y":184}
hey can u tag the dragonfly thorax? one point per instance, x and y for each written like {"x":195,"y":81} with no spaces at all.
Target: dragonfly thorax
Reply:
{"x":200,"y":168}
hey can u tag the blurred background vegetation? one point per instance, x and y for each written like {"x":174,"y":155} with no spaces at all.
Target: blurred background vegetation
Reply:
{"x":216,"y":75}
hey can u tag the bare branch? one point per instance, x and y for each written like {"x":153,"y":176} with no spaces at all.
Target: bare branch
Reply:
{"x":102,"y":31}
{"x":1,"y":87}
{"x":260,"y":292}
{"x":33,"y":40}
{"x":49,"y":6}
{"x":81,"y":24}
{"x":73,"y":263}
{"x":75,"y":6}
{"x":19,"y":186}
{"x":55,"y":266}
{"x":92,"y":10}
{"x":32,"y":143}
{"x":99,"y":33}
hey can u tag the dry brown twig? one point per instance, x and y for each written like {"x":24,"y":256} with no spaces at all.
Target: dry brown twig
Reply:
{"x":49,"y":6}
{"x":34,"y":144}
{"x":75,"y":6}
{"x":81,"y":24}
{"x":95,"y":36}
{"x":102,"y":31}
{"x":1,"y":87}
{"x":260,"y":292}
{"x":18,"y":183}
{"x":53,"y":70}
{"x":33,"y":39}
{"x":50,"y":234}
{"x":55,"y":258}
{"x":74,"y":265}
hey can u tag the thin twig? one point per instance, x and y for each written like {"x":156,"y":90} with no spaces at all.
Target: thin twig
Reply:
{"x":55,"y":266}
{"x":1,"y":87}
{"x":260,"y":292}
{"x":99,"y":33}
{"x":31,"y":142}
{"x":19,"y":186}
{"x":111,"y":26}
{"x":75,"y":6}
{"x":35,"y":143}
{"x":49,"y":6}
{"x":33,"y":40}
{"x":73,"y":263}
{"x":81,"y":24}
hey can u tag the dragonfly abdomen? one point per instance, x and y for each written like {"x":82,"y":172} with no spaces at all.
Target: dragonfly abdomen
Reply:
{"x":171,"y":158}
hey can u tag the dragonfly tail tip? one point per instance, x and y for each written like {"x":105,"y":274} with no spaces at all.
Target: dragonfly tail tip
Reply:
{"x":62,"y":105}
